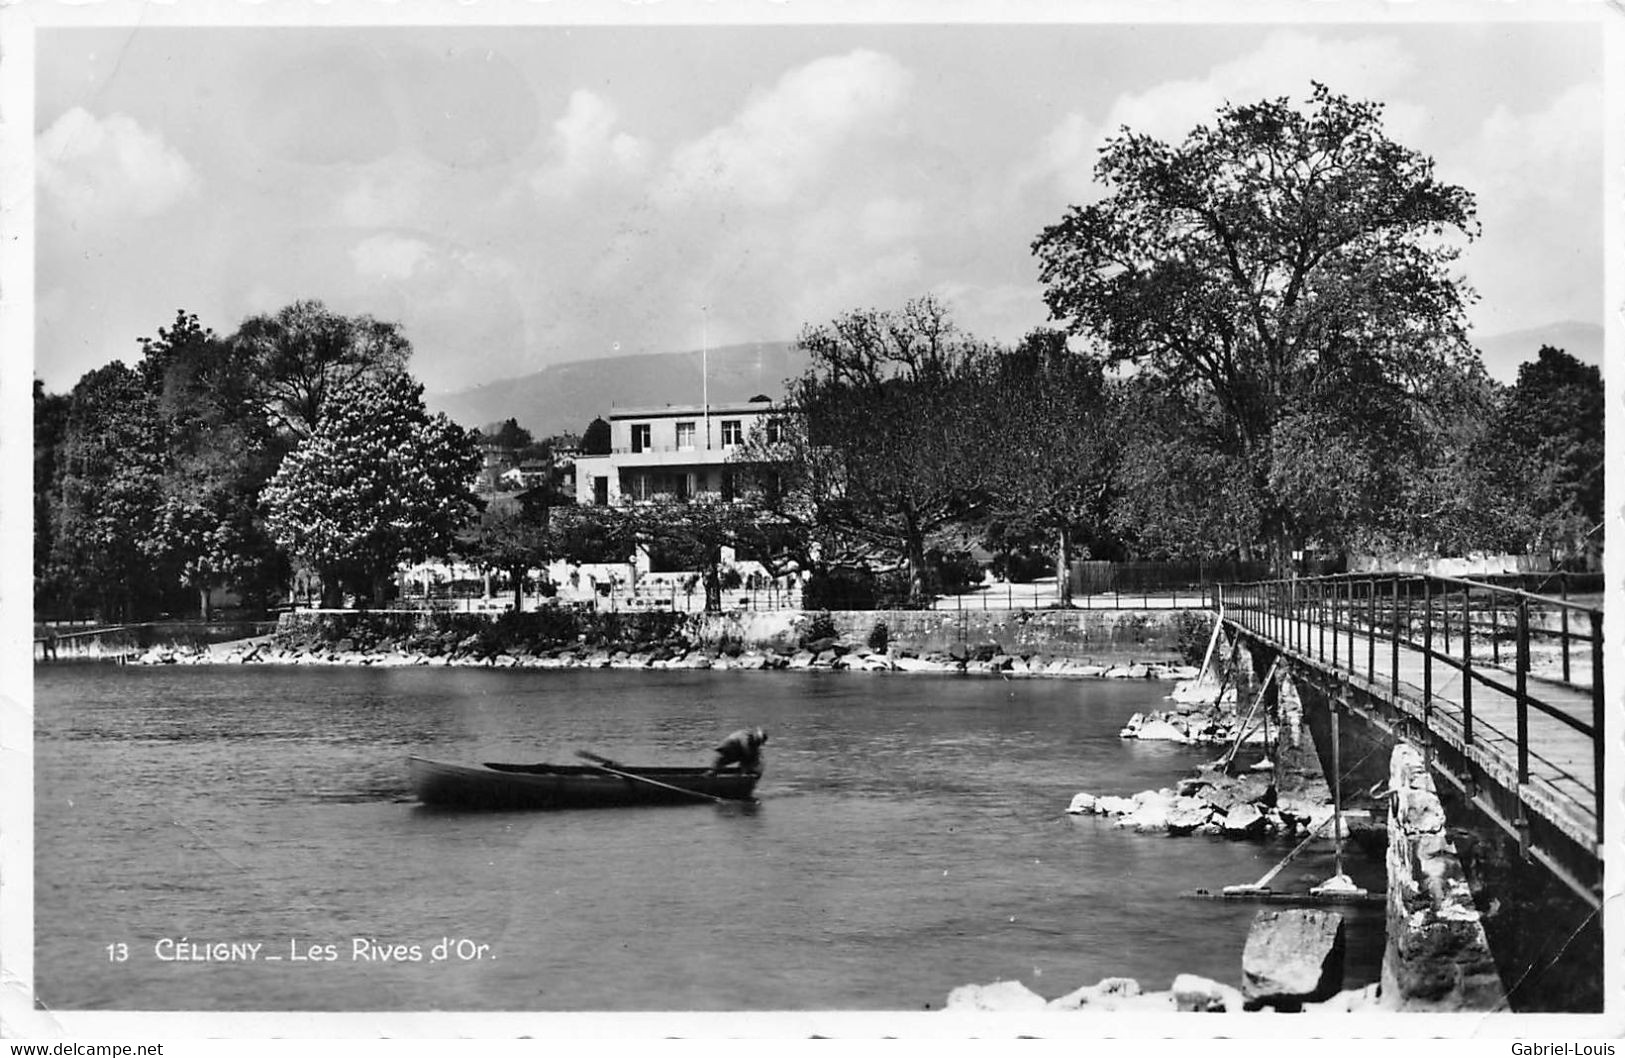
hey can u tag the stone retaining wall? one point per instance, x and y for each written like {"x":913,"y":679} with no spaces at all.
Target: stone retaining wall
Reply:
{"x":1100,"y":637}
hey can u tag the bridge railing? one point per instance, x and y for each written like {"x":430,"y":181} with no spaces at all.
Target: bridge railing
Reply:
{"x":1497,"y":637}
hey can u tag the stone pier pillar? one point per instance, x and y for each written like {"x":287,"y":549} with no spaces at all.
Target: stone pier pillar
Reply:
{"x":1438,"y":958}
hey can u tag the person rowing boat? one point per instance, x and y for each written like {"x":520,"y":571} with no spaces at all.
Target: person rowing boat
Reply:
{"x":741,"y":750}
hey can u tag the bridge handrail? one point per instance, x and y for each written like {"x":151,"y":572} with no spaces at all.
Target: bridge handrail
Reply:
{"x":1466,"y":583}
{"x":1285,"y":610}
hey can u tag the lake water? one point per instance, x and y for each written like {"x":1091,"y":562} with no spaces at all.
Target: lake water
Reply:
{"x":911,"y":837}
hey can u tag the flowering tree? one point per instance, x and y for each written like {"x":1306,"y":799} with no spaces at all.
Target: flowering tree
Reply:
{"x":378,"y":483}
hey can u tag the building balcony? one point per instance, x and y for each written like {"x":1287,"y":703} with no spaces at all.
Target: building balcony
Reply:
{"x":672,"y":456}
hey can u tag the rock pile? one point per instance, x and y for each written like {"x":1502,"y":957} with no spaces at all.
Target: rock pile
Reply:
{"x":1187,"y":993}
{"x":1242,"y":806}
{"x":1216,"y":725}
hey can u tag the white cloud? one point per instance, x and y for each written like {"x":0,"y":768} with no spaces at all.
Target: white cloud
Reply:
{"x":890,"y":220}
{"x":586,"y":147}
{"x":92,"y":169}
{"x":791,"y":135}
{"x":1538,"y":179}
{"x":383,"y":196}
{"x":1283,"y":65}
{"x":389,"y":257}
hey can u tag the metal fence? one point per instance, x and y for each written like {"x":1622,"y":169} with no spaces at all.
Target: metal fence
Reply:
{"x":1091,"y":577}
{"x":1494,"y":637}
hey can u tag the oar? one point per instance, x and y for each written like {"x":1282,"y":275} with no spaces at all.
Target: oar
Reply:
{"x":603,"y":764}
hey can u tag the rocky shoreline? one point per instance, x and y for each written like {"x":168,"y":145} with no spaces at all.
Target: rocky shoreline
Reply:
{"x":1189,"y":993}
{"x":825,"y":654}
{"x":1214,"y":804}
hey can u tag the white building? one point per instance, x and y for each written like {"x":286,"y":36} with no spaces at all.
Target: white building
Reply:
{"x":671,"y":452}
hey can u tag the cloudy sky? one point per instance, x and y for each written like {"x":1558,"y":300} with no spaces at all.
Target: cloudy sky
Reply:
{"x":516,"y":196}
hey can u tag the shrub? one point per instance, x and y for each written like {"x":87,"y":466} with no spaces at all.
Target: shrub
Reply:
{"x":1022,"y":567}
{"x":892,"y":593}
{"x":879,"y":637}
{"x":952,"y":572}
{"x":840,"y":589}
{"x":822,"y":626}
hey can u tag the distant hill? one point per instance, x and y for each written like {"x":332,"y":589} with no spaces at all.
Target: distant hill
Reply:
{"x":566,"y":397}
{"x":1503,"y":353}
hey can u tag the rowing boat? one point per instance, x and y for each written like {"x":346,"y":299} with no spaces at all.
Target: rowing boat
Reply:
{"x":513,"y":786}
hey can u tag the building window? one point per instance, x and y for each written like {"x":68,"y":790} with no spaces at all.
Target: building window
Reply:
{"x":640,"y":437}
{"x":773,"y":431}
{"x":685,"y":437}
{"x":600,"y":491}
{"x":731,"y":433}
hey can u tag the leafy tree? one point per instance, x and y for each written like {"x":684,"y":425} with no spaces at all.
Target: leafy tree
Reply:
{"x":1551,"y":426}
{"x":219,"y":453}
{"x":380,"y":482}
{"x":111,"y":466}
{"x":1178,"y":495}
{"x":508,"y":435}
{"x":593,"y":534}
{"x":50,"y":429}
{"x":797,"y":487}
{"x":515,"y":540}
{"x":891,"y":410}
{"x":1273,"y":261}
{"x":693,"y":535}
{"x":596,"y":440}
{"x":1057,"y":434}
{"x":304,"y":356}
{"x":1457,"y":497}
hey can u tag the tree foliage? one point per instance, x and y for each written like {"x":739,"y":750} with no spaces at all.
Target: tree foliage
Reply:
{"x":1055,"y":443}
{"x":595,"y":440}
{"x":1273,"y":262}
{"x":513,"y":539}
{"x":219,"y":453}
{"x":889,"y":414}
{"x":379,"y":482}
{"x":694,"y":534}
{"x":112,"y":468}
{"x":1550,"y":429}
{"x":304,"y":356}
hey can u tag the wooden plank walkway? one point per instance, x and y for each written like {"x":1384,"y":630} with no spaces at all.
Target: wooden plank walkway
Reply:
{"x":1562,"y":786}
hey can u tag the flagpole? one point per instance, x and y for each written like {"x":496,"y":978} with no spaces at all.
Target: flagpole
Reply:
{"x":705,"y":372}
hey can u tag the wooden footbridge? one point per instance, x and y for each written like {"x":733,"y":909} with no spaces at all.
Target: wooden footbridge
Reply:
{"x":1502,"y":689}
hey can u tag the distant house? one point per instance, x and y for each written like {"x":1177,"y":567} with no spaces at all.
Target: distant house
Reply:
{"x":672,"y":452}
{"x":530,"y":474}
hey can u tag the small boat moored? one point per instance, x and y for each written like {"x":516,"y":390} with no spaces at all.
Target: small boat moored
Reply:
{"x":539,"y":786}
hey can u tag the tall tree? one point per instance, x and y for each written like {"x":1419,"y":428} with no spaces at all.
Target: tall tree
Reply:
{"x":514,"y":540}
{"x":305,"y":355}
{"x":50,"y":430}
{"x":220,"y":452}
{"x":1178,"y":494}
{"x":1057,"y":439}
{"x":1551,"y":425}
{"x":595,"y":440}
{"x":892,"y":397}
{"x":693,"y":536}
{"x":379,"y":482}
{"x":509,"y":435}
{"x":1275,"y":259}
{"x":112,"y":466}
